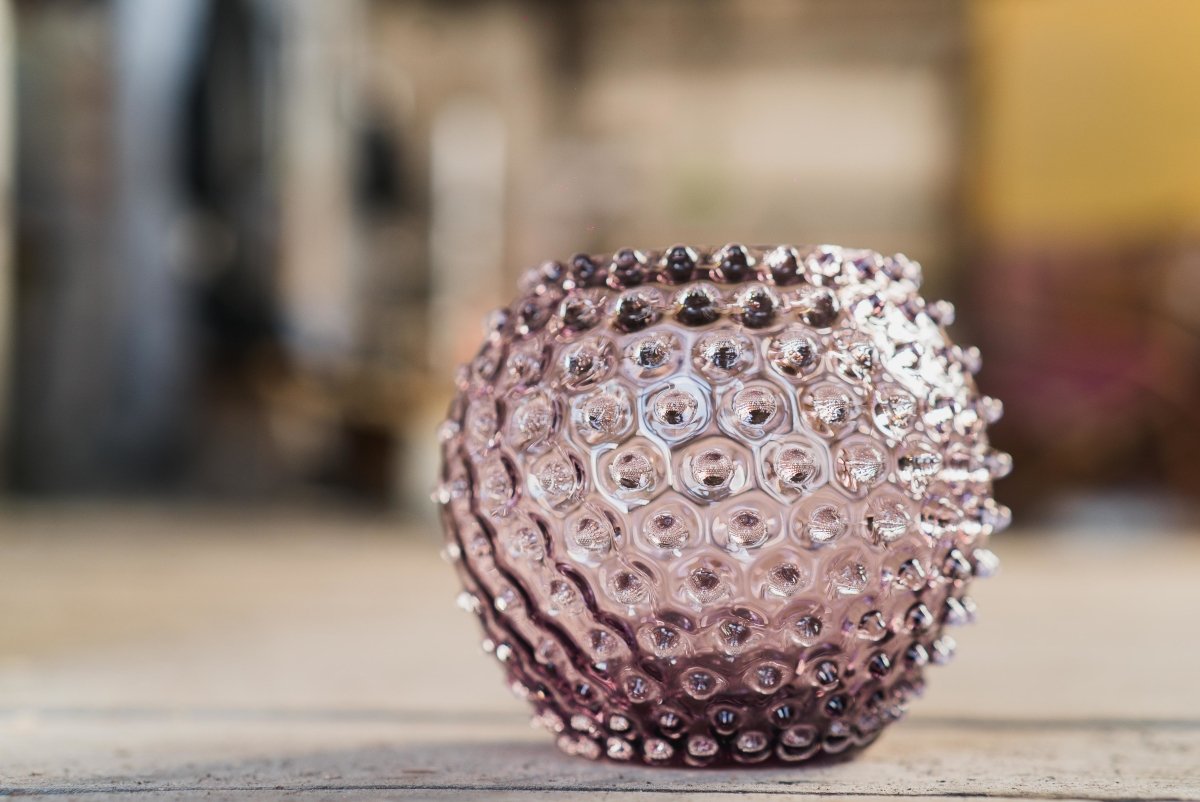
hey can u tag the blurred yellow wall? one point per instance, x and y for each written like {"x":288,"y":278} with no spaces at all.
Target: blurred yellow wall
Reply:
{"x":1088,"y":119}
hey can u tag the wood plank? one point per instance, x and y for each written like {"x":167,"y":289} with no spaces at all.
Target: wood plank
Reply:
{"x":156,"y":651}
{"x":346,"y":755}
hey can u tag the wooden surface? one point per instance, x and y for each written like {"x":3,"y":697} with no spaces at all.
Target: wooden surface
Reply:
{"x":167,"y":654}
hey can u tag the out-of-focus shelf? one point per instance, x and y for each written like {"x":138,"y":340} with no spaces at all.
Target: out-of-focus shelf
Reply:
{"x":219,"y":654}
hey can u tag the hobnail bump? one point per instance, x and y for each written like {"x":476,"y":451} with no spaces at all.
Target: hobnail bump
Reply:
{"x":719,"y":506}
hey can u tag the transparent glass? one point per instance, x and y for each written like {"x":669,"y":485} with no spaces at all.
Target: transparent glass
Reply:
{"x":718,"y":507}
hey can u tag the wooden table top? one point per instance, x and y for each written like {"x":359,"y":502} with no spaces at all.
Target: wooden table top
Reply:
{"x":197,"y":654}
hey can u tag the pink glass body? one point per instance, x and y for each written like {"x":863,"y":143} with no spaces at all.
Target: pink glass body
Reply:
{"x":719,"y":507}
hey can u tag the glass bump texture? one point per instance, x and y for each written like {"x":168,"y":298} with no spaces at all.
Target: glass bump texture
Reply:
{"x":720,"y":506}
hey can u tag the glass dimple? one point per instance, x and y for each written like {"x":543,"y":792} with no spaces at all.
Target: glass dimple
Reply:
{"x":894,"y":411}
{"x":592,"y":533}
{"x":829,"y":408}
{"x":557,"y":478}
{"x":785,"y":579}
{"x":756,"y":306}
{"x":636,"y":310}
{"x":652,"y":353}
{"x":605,"y":414}
{"x":794,"y":353}
{"x":563,"y":597}
{"x":704,"y":585}
{"x":583,"y":365}
{"x":581,"y":312}
{"x":666,"y":530}
{"x":675,"y":408}
{"x":825,"y":524}
{"x":887,"y":519}
{"x":633,"y":470}
{"x":848,"y":575}
{"x":720,"y":353}
{"x":783,"y":263}
{"x":533,"y":420}
{"x":701,"y":684}
{"x":747,"y":528}
{"x":755,"y":406}
{"x":860,"y":465}
{"x":816,"y":306}
{"x":664,"y":641}
{"x":795,"y":466}
{"x":628,"y":587}
{"x":807,"y":629}
{"x":702,"y":746}
{"x":712,"y":469}
{"x":697,"y":305}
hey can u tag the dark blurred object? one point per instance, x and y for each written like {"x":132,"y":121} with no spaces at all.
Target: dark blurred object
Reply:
{"x":1097,"y":355}
{"x":254,"y":235}
{"x":156,"y":337}
{"x":1085,"y":190}
{"x":254,"y":238}
{"x":102,"y":368}
{"x":226,"y":175}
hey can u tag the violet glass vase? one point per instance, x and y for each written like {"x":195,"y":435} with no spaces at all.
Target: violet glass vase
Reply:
{"x":719,"y":507}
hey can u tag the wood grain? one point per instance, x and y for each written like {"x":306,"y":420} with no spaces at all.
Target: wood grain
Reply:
{"x":157,"y":653}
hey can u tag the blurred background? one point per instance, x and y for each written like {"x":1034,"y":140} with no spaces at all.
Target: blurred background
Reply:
{"x":244,"y":244}
{"x":246,"y":241}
